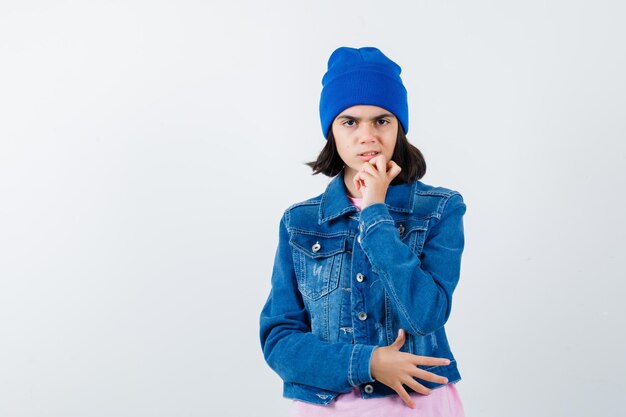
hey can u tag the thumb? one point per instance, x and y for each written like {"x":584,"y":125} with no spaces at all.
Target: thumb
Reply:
{"x":397,"y":344}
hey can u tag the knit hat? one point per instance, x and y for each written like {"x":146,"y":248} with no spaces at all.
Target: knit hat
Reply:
{"x":362,"y":76}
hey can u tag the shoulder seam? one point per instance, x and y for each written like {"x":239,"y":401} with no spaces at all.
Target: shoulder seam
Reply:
{"x":439,"y":191}
{"x":303,"y":203}
{"x":444,"y":202}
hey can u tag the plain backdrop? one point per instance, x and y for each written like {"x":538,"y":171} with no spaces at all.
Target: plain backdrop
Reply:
{"x":149,"y":148}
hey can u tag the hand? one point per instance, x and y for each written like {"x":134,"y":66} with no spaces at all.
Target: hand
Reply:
{"x":394,"y":368}
{"x":374,"y":178}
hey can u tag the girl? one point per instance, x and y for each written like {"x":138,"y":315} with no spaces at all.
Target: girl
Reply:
{"x":364,"y":273}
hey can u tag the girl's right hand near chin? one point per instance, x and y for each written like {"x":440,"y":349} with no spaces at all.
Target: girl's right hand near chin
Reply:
{"x":394,"y":368}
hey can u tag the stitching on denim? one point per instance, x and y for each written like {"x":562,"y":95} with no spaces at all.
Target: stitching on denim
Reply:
{"x":408,"y":224}
{"x":389,"y":321}
{"x":399,"y":209}
{"x":302,"y":275}
{"x":350,"y":380}
{"x":295,"y":257}
{"x":442,"y":205}
{"x":296,"y":397}
{"x":437,"y":193}
{"x":303,"y":203}
{"x":345,"y":210}
{"x":423,"y":217}
{"x":377,"y":222}
{"x":322,"y":255}
{"x":340,"y":312}
{"x":322,"y":205}
{"x":325,"y":309}
{"x":310,"y":233}
{"x":400,"y":305}
{"x":331,"y":276}
{"x":286,"y":219}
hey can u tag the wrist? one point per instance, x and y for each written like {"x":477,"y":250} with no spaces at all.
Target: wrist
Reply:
{"x":369,"y":202}
{"x":374,"y":362}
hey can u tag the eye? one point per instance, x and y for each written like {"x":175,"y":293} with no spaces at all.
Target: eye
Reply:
{"x":349,"y":121}
{"x":383,"y":122}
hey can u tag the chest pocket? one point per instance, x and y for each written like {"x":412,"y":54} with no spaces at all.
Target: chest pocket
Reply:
{"x":413,"y":233}
{"x":318,"y":261}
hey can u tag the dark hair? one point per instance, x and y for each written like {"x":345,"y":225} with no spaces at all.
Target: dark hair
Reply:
{"x":407,"y":156}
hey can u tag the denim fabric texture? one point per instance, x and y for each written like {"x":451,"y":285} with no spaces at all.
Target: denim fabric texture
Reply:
{"x":344,"y":282}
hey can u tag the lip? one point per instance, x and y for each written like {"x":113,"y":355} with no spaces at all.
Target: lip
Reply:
{"x":368,"y":157}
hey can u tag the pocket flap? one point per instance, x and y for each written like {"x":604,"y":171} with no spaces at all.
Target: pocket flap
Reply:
{"x":316,"y":246}
{"x":406,"y":226}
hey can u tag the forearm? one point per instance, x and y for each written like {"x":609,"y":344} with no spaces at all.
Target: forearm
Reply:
{"x":421,"y":289}
{"x":299,"y":356}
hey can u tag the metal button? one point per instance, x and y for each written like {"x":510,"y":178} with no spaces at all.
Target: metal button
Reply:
{"x":361,"y":226}
{"x":316,"y":247}
{"x":368,"y":388}
{"x":360,"y":277}
{"x":358,"y":238}
{"x":362,"y":315}
{"x":401,"y":229}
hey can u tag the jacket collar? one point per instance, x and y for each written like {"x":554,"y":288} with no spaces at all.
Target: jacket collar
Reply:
{"x":335,"y":201}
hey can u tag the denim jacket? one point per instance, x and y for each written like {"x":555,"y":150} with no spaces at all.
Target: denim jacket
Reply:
{"x":344,"y":282}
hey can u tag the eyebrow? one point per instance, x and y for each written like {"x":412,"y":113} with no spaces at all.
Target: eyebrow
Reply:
{"x":358,"y":119}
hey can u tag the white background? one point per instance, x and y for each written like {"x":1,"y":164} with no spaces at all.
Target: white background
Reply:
{"x":148,"y":149}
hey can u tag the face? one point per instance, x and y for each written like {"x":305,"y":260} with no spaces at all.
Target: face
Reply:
{"x":361,"y":130}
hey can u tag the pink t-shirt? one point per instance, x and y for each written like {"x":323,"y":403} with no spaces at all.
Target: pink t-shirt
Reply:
{"x":441,"y":402}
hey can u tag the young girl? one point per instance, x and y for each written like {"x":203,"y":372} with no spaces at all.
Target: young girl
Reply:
{"x":364,"y":273}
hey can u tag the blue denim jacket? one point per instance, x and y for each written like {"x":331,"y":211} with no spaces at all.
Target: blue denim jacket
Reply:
{"x":344,"y":282}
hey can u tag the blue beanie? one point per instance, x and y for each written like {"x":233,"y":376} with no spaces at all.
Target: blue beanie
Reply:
{"x":362,"y":76}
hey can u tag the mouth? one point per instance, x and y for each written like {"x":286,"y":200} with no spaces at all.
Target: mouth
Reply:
{"x":366,"y":156}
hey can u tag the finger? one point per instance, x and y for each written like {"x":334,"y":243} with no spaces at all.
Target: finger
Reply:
{"x":430,"y":361}
{"x":394,"y":170}
{"x":429,"y":376}
{"x":358,"y":177}
{"x":417,"y":387}
{"x":404,"y":395}
{"x":373,"y":160}
{"x":356,"y":180}
{"x":368,"y":176}
{"x":381,"y":163}
{"x":397,"y":344}
{"x":370,"y":169}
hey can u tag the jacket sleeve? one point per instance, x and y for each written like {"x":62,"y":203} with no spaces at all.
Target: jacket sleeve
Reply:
{"x":420,"y":287}
{"x":289,"y":347}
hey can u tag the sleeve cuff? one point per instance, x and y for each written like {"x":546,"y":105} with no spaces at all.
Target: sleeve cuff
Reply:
{"x":373,"y":215}
{"x":360,"y":360}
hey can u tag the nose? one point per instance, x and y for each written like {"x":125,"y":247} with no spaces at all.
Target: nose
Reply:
{"x":367,"y":133}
